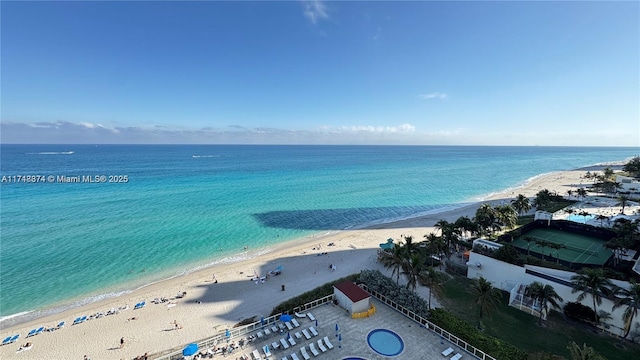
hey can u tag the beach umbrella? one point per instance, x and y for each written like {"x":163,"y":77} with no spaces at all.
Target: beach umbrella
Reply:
{"x":288,"y":335}
{"x":316,"y":322}
{"x":285,"y":318}
{"x":262,"y":321}
{"x":339,"y":341}
{"x":227,"y":333}
{"x":191,"y":349}
{"x":337,"y":328}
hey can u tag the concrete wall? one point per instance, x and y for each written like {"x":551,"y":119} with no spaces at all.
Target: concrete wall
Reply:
{"x":360,"y":306}
{"x":506,"y":276}
{"x":343,"y":301}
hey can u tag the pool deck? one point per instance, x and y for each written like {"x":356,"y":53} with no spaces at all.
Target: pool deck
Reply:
{"x":419,"y":343}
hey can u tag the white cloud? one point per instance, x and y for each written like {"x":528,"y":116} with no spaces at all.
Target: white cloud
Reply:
{"x":370,"y":129}
{"x":315,"y":10}
{"x":434,"y":95}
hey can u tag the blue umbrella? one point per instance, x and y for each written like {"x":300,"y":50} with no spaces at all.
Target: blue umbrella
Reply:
{"x":339,"y":340}
{"x":285,"y":318}
{"x":261,"y":320}
{"x":288,"y":335}
{"x":190,"y":350}
{"x":316,"y":322}
{"x":337,"y":328}
{"x":227,"y":333}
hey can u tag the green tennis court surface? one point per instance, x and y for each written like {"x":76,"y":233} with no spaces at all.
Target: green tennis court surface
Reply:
{"x":579,"y":249}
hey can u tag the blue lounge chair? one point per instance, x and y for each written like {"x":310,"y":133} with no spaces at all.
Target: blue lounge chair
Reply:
{"x":77,"y":321}
{"x":40,"y":329}
{"x":139,"y":305}
{"x":6,"y":341}
{"x":60,"y":325}
{"x":32,"y":332}
{"x":13,"y":339}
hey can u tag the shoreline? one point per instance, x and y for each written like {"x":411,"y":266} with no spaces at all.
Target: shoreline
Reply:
{"x":354,"y":250}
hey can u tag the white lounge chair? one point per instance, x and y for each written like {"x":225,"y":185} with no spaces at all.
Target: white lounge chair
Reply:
{"x":300,"y":315}
{"x":260,"y":335}
{"x":306,"y":334}
{"x":313,"y":330}
{"x":298,"y":335}
{"x":311,"y":317}
{"x":294,"y":357}
{"x":295,"y":322}
{"x":275,"y":345}
{"x":291,"y":341}
{"x":285,"y":358}
{"x":267,"y":332}
{"x":321,"y":346}
{"x":456,"y":357}
{"x":284,"y":343}
{"x":256,"y":355}
{"x":304,"y":353}
{"x":329,"y":344}
{"x":267,"y":351}
{"x":447,"y":352}
{"x":313,"y":350}
{"x":289,"y":326}
{"x":274,"y":329}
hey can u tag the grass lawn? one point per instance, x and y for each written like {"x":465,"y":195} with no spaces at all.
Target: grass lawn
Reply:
{"x":521,"y":329}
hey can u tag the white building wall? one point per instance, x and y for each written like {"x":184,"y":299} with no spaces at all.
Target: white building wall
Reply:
{"x":343,"y":301}
{"x":360,"y":306}
{"x":506,"y":276}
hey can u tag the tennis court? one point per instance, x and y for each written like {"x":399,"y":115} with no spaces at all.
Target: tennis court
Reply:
{"x":579,"y":249}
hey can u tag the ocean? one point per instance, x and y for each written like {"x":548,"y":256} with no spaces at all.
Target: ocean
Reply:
{"x":80,"y":223}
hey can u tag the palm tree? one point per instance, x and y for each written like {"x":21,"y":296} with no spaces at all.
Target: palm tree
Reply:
{"x":507,"y":215}
{"x":448,"y":231}
{"x":569,"y":192}
{"x":464,"y":225}
{"x":602,"y":218}
{"x":529,"y":240}
{"x":542,"y":244}
{"x":607,"y":173}
{"x":623,"y":201}
{"x":486,"y":296}
{"x":584,"y":214}
{"x":431,"y":279}
{"x":631,"y":299}
{"x":394,"y":259}
{"x":581,"y":193}
{"x":591,"y":282}
{"x":521,"y":204}
{"x":557,"y":248}
{"x":545,"y":294}
{"x":435,"y":244}
{"x":409,"y":246}
{"x":413,"y":266}
{"x":485,"y":218}
{"x":583,"y":353}
{"x":543,"y":197}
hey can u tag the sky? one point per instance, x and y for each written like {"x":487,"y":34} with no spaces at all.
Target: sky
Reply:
{"x":321,"y":72}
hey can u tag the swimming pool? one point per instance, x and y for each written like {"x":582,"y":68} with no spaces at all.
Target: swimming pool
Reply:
{"x":385,"y":342}
{"x":581,"y":219}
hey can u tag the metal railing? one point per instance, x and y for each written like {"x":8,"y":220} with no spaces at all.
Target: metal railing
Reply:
{"x":230,"y":333}
{"x":479,"y":354}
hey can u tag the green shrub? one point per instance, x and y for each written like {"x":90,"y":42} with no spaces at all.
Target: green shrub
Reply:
{"x":577,"y":311}
{"x":376,"y":281}
{"x":465,"y":331}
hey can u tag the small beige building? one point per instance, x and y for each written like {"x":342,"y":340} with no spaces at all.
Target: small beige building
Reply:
{"x":349,"y":296}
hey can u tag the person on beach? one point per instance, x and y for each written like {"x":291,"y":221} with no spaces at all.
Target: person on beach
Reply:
{"x":177,"y":326}
{"x":121,"y":343}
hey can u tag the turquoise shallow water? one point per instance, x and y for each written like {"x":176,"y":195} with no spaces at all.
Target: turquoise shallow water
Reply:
{"x":185,"y":207}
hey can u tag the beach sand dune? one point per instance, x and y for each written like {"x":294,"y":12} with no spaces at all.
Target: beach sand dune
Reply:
{"x":210,"y":307}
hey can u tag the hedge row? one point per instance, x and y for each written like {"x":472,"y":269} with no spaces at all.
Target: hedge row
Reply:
{"x":465,"y":331}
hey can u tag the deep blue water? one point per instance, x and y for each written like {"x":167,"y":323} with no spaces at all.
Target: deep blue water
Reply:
{"x":185,"y":207}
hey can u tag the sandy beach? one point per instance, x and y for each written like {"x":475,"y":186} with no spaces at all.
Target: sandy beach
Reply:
{"x":209,"y":307}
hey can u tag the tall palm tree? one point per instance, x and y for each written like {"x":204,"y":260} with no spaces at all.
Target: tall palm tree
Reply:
{"x":543,"y":197}
{"x":521,"y":203}
{"x":435,"y":244}
{"x":485,"y":218}
{"x":591,"y":282}
{"x":464,"y":225}
{"x":557,"y":248}
{"x":529,"y":240}
{"x":631,"y":299}
{"x":583,"y":353}
{"x":542,"y":244}
{"x":584,"y":214}
{"x":581,"y":193}
{"x":394,"y":260}
{"x":546,"y":295}
{"x":431,"y":279}
{"x":602,"y":218}
{"x":448,"y":231}
{"x":623,"y":201}
{"x":409,"y":246}
{"x":486,"y":296}
{"x":507,"y":215}
{"x":607,"y":173}
{"x":412,"y":267}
